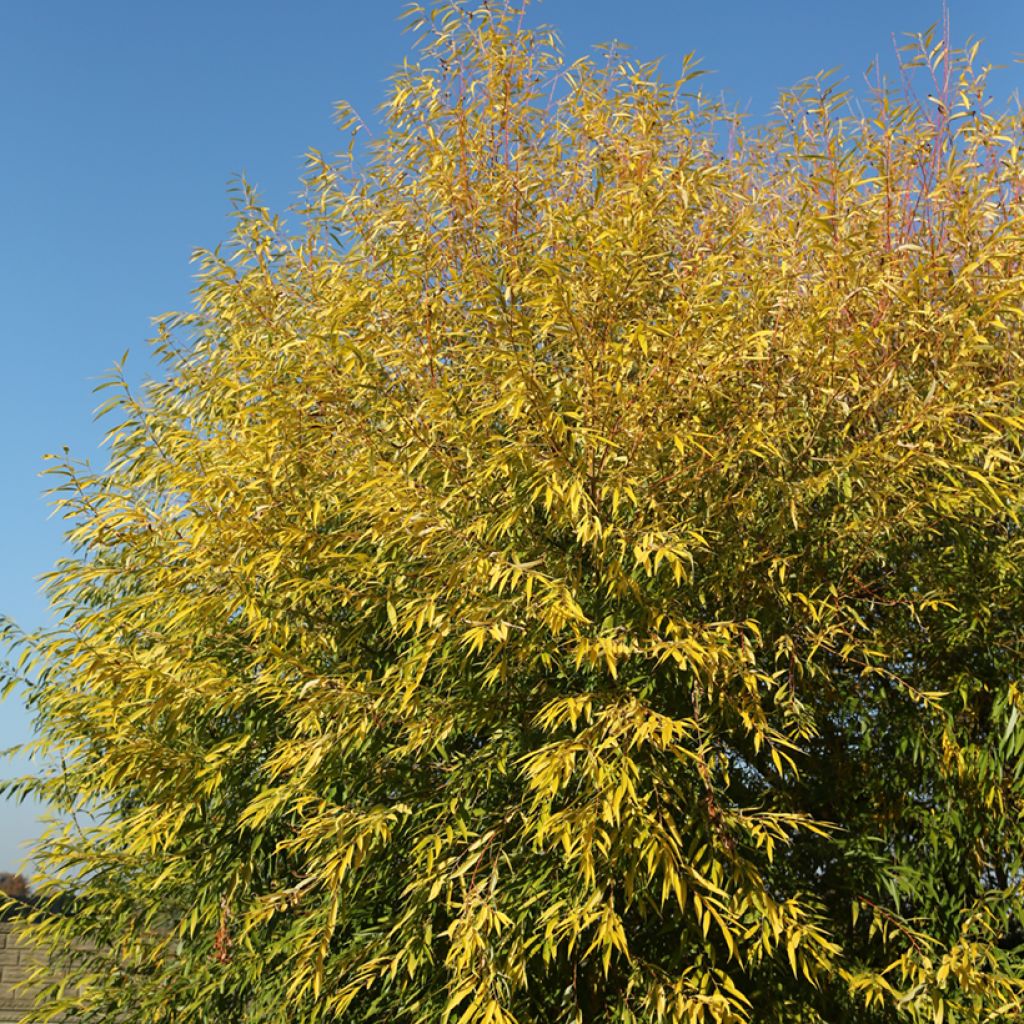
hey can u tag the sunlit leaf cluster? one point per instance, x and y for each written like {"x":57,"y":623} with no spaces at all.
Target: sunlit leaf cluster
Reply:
{"x":570,"y":571}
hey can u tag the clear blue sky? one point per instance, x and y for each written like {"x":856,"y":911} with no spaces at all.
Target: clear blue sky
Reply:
{"x":122,"y":120}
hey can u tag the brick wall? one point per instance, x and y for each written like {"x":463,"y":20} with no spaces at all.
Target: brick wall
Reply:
{"x":16,"y":960}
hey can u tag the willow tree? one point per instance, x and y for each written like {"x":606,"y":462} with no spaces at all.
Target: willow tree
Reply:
{"x":574,"y":575}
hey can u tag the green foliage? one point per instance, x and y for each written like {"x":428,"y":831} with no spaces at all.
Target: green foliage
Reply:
{"x":576,"y":577}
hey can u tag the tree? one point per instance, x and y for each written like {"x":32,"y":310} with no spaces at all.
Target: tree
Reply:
{"x":13,"y":885}
{"x":574,"y":576}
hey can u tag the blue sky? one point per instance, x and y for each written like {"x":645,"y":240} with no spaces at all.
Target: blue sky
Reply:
{"x":122,"y":122}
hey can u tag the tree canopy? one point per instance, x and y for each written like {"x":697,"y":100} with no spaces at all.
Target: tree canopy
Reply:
{"x":570,"y":571}
{"x":13,"y":885}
